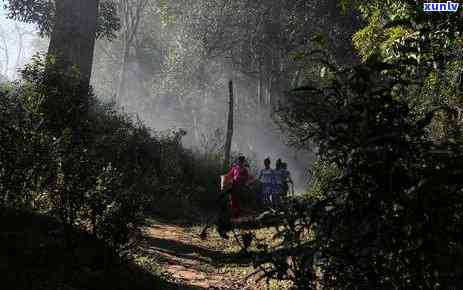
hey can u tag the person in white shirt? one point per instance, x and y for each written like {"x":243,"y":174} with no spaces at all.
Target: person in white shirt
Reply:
{"x":267,"y":178}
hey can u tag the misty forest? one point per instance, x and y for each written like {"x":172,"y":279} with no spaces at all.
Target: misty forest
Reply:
{"x":230,"y":144}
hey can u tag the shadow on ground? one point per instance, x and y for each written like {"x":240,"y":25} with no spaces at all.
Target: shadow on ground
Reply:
{"x":201,"y":254}
{"x":33,"y":256}
{"x":190,"y":260}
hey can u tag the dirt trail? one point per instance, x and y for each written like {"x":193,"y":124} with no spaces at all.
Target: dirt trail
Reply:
{"x":198,"y":264}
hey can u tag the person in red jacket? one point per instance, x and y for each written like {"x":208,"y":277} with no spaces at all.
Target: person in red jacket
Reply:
{"x":239,"y":175}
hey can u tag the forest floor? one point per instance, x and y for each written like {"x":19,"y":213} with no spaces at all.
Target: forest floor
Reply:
{"x":33,"y":255}
{"x":171,"y":256}
{"x":188,"y":260}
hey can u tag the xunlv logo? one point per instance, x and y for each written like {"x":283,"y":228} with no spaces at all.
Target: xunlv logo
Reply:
{"x":441,"y":7}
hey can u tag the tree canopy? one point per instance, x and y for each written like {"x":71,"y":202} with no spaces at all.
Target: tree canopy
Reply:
{"x":43,"y":14}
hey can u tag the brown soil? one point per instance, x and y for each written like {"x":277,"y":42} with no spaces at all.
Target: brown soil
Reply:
{"x":195,"y":263}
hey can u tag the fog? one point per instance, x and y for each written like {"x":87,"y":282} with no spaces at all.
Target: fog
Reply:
{"x":168,"y":81}
{"x":176,"y":84}
{"x":18,"y":43}
{"x":203,"y":114}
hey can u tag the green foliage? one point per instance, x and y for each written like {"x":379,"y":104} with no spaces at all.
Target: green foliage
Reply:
{"x":22,"y":148}
{"x":108,"y":21}
{"x":190,"y":178}
{"x":42,"y":13}
{"x":167,"y":15}
{"x":388,"y":198}
{"x":66,"y":153}
{"x":63,"y":152}
{"x":419,"y":46}
{"x":390,"y":215}
{"x":322,"y":175}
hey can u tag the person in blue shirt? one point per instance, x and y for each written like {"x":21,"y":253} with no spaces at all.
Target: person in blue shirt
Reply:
{"x":285,"y":176}
{"x":278,"y":187}
{"x":267,"y":179}
{"x":282,"y":181}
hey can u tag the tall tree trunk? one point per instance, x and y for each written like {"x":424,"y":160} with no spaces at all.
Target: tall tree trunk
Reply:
{"x":260,"y":87}
{"x":121,"y":88}
{"x":131,"y":16}
{"x":73,"y":38}
{"x":196,"y":133}
{"x":19,"y":55}
{"x":275,"y":93}
{"x":71,"y":46}
{"x":272,"y":63}
{"x":229,"y":137}
{"x":6,"y":53}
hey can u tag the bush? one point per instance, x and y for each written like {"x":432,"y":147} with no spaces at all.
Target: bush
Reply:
{"x":24,"y":149}
{"x":191,"y":179}
{"x":390,"y":215}
{"x":64,"y":152}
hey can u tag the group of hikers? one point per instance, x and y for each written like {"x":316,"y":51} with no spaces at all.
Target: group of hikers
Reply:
{"x":270,"y":187}
{"x":274,"y":183}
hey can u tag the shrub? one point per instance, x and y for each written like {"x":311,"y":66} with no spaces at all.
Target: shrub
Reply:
{"x":64,"y":152}
{"x":389,"y":216}
{"x":23,"y":148}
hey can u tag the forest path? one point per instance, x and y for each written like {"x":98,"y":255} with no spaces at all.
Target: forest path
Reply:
{"x":198,"y":264}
